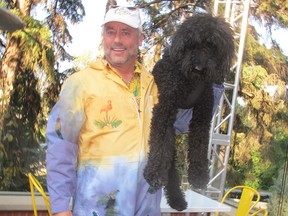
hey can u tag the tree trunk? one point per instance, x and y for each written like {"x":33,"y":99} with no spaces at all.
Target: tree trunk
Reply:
{"x":10,"y":64}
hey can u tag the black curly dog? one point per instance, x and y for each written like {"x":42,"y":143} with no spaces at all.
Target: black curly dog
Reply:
{"x":200,"y":54}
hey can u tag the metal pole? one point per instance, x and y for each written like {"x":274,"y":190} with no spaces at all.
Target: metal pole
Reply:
{"x":236,"y":12}
{"x":236,"y":84}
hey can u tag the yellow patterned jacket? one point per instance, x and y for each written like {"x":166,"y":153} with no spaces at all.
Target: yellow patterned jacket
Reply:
{"x":97,"y":136}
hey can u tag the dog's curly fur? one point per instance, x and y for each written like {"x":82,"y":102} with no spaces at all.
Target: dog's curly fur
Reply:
{"x":200,"y":54}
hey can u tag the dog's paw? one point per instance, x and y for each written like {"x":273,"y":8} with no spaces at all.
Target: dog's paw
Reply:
{"x":179,"y":206}
{"x":177,"y":202}
{"x":152,"y":190}
{"x":199,"y":180}
{"x":155,"y":178}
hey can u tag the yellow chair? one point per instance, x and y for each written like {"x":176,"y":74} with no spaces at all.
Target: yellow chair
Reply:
{"x":246,"y":203}
{"x":263,"y":211}
{"x":34,"y":183}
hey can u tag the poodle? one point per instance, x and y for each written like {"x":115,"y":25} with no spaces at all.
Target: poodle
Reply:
{"x":200,"y":54}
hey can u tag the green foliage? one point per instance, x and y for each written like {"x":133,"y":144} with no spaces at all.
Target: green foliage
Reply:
{"x":59,"y":13}
{"x":273,"y":12}
{"x":181,"y":153}
{"x":181,"y":158}
{"x":35,"y":43}
{"x":20,"y":135}
{"x":29,"y":59}
{"x":253,"y":178}
{"x":278,"y":202}
{"x":262,"y":119}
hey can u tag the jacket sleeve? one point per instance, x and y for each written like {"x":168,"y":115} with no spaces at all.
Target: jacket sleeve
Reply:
{"x":64,"y":124}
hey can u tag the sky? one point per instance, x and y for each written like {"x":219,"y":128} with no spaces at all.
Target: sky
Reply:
{"x":86,"y":35}
{"x":282,"y":35}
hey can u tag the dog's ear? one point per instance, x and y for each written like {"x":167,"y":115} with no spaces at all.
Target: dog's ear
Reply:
{"x":226,"y":48}
{"x":177,"y":48}
{"x":222,"y":70}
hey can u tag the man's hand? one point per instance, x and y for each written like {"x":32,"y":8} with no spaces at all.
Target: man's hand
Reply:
{"x":66,"y":213}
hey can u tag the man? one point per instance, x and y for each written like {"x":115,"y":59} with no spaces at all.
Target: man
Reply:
{"x":98,"y":131}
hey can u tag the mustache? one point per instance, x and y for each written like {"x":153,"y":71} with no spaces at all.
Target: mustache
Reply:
{"x":118,"y":45}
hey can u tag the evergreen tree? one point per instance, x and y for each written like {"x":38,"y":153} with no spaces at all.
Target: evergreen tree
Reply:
{"x":30,"y":83}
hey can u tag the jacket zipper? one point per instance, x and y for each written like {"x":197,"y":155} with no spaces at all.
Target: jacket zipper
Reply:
{"x":137,"y":110}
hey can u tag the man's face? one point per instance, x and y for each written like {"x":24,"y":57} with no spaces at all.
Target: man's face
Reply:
{"x":121,"y":43}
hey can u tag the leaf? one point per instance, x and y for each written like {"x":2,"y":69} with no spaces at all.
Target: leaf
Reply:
{"x":115,"y":124}
{"x":8,"y":137}
{"x":100,"y":124}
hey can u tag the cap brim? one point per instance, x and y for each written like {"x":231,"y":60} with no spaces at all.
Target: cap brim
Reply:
{"x":124,"y":21}
{"x":9,"y":21}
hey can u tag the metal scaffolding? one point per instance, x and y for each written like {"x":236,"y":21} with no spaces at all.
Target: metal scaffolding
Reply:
{"x":236,"y":13}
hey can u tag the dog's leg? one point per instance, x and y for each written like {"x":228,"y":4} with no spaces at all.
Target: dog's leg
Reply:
{"x":199,"y":140}
{"x":162,"y":145}
{"x":174,"y":195}
{"x":162,"y":137}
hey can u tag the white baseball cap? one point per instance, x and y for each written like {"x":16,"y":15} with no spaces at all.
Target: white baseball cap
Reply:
{"x":127,"y":15}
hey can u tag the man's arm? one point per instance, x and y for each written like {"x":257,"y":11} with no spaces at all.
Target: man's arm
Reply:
{"x":64,"y":124}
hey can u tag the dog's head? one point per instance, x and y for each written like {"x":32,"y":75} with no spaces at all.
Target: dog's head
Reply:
{"x":203,"y":45}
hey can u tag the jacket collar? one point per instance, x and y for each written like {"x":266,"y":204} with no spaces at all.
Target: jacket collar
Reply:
{"x":103,"y":65}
